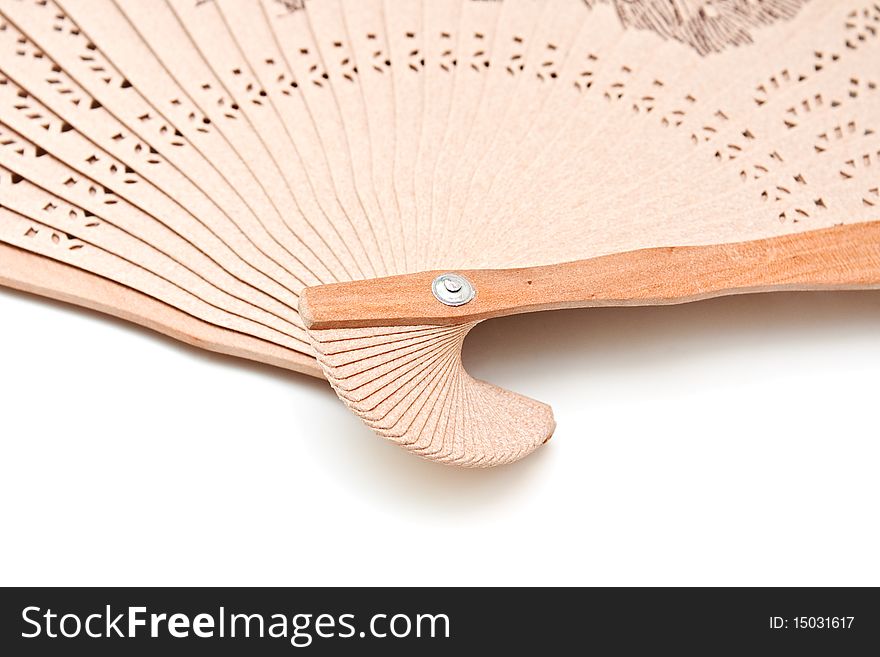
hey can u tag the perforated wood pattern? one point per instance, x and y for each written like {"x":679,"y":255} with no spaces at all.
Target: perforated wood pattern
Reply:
{"x":214,"y":158}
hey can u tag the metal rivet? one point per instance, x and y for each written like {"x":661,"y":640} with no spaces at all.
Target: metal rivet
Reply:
{"x":453,"y":289}
{"x":452,"y":285}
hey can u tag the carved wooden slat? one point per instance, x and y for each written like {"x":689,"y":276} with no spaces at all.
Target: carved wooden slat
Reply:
{"x":283,"y":180}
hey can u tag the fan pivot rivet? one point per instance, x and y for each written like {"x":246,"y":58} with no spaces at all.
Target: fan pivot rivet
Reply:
{"x":453,"y":289}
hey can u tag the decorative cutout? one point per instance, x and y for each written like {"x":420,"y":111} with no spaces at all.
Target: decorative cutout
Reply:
{"x":232,"y":157}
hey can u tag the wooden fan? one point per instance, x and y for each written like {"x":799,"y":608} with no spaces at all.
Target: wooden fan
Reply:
{"x":345,"y":187}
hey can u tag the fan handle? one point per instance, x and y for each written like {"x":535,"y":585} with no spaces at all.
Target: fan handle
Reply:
{"x":362,"y":314}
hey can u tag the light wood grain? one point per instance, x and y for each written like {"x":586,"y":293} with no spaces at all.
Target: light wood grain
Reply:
{"x":392,"y":351}
{"x":841,"y":257}
{"x":206,"y":168}
{"x":39,"y":275}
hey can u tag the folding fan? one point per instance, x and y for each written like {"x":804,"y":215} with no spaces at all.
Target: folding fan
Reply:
{"x":345,"y":187}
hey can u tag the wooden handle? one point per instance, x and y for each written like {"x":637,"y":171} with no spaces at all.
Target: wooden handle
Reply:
{"x":842,"y":257}
{"x":392,"y":351}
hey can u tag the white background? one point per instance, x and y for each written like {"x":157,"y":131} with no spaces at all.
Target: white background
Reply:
{"x":730,"y":442}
